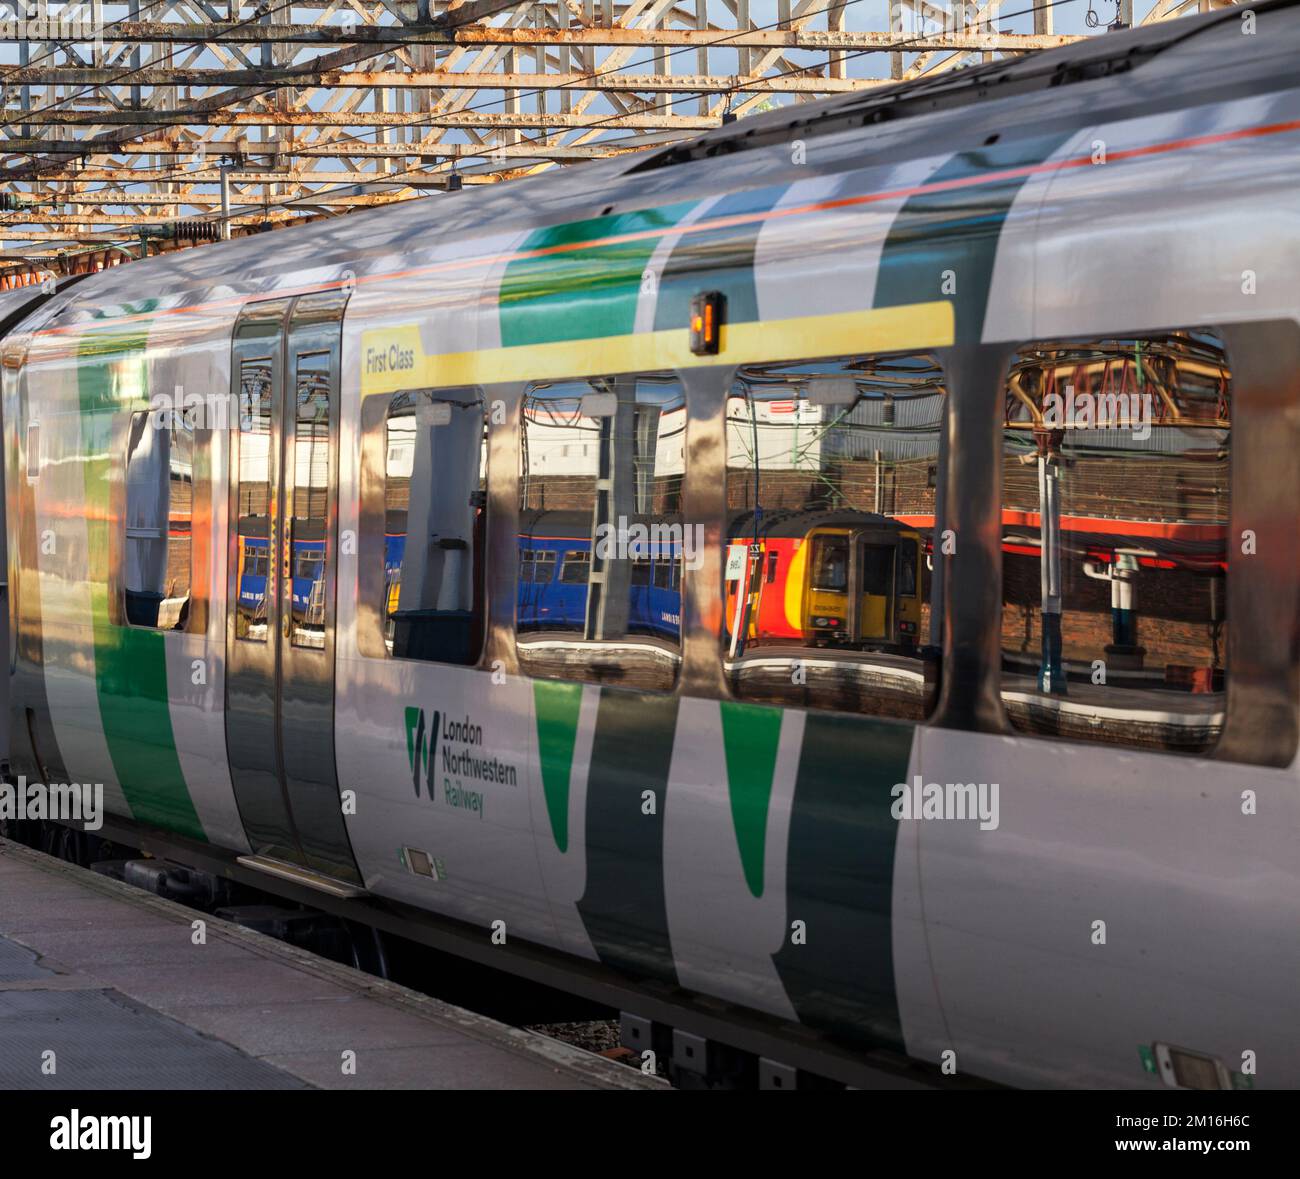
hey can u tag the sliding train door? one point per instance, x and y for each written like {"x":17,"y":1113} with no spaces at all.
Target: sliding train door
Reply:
{"x":283,"y":555}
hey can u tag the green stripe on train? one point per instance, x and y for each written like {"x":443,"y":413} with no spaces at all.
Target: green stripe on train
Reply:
{"x":751,"y":736}
{"x":582,"y":294}
{"x":557,"y":706}
{"x":946,"y":241}
{"x":130,"y":662}
{"x":623,"y":906}
{"x":840,"y":861}
{"x":840,"y":877}
{"x":720,"y":259}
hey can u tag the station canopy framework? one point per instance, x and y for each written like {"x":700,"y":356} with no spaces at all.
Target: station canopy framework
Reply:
{"x":134,"y":126}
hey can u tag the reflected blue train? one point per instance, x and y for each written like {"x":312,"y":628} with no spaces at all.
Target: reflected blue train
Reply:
{"x":254,"y":563}
{"x":554,"y":564}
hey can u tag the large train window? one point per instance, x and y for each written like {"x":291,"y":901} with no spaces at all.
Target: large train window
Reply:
{"x":435,"y":515}
{"x":1114,"y":540}
{"x":308,"y":514}
{"x":158,"y":554}
{"x":831,"y":491}
{"x":253,"y":500}
{"x":601,"y":535}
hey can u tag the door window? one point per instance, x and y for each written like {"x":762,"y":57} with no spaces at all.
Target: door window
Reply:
{"x":253,"y":500}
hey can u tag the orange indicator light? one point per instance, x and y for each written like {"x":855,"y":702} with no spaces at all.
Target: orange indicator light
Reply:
{"x":706,"y":322}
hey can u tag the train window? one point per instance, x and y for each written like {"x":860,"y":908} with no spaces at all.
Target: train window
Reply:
{"x":906,"y":572}
{"x":255,"y":561}
{"x":309,"y":518}
{"x":830,"y":564}
{"x":536,"y":565}
{"x":1114,"y":540}
{"x":600,"y":489}
{"x":435,"y":515}
{"x":831,"y":494}
{"x":253,"y":499}
{"x":576,"y":568}
{"x":157,"y":566}
{"x":667,"y":573}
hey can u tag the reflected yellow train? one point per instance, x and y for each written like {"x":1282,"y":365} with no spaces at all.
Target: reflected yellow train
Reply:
{"x":849,"y":579}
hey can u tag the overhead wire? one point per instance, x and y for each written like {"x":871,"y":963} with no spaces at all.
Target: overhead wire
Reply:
{"x":739,"y":86}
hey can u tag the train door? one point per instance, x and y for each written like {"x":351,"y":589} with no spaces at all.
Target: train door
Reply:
{"x":873,"y":575}
{"x":283,"y":555}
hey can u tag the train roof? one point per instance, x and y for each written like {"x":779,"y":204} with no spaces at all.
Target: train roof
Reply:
{"x":785,"y":522}
{"x":1166,"y":65}
{"x":567,"y":522}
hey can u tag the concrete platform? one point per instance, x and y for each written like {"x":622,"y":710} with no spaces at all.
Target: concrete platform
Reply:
{"x":103,"y":988}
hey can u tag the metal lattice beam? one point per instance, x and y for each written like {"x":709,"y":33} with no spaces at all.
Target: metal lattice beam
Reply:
{"x":123,"y":115}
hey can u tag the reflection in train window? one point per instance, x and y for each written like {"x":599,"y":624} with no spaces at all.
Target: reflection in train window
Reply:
{"x":308,"y":520}
{"x":307,"y":565}
{"x":576,"y":569}
{"x":255,"y":561}
{"x":831,"y":492}
{"x":435,"y":514}
{"x":601,"y":469}
{"x":536,"y":565}
{"x":667,"y":573}
{"x":907,"y":561}
{"x":253,"y":500}
{"x":1114,"y":540}
{"x":158,"y":553}
{"x":830,"y":563}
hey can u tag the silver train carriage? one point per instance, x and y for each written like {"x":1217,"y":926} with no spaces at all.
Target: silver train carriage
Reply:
{"x":277,"y":581}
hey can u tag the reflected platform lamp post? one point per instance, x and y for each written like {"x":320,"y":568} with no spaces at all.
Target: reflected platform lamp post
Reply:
{"x":1122,"y":572}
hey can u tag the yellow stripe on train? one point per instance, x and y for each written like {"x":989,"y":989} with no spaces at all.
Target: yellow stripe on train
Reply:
{"x":393,"y":359}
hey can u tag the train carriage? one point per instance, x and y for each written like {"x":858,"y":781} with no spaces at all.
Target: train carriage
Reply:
{"x":402,"y":427}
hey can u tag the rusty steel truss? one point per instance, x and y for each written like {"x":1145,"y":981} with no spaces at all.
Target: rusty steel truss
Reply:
{"x":133,"y":126}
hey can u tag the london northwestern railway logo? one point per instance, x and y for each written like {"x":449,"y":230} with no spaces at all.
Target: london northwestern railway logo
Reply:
{"x":446,"y":757}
